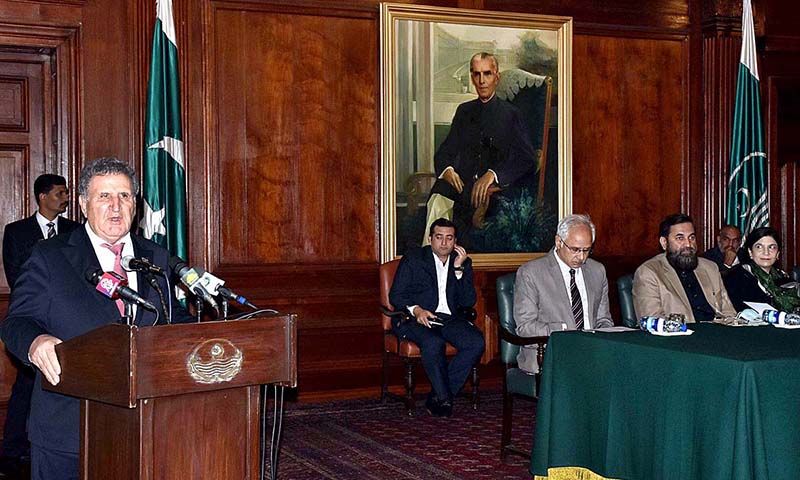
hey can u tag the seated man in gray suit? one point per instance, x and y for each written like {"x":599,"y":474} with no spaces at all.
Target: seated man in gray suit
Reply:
{"x":564,"y":290}
{"x":677,"y":281}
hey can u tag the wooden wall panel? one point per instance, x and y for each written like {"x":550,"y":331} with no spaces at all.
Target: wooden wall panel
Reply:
{"x":630,"y":136}
{"x":296,"y":138}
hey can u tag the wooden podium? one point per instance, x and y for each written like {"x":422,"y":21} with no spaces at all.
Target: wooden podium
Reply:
{"x":175,"y":401}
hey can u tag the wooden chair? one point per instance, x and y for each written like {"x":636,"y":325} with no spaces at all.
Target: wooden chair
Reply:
{"x":407,"y":351}
{"x":516,"y":382}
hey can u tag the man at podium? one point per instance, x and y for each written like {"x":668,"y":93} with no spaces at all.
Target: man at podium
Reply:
{"x":53,"y":301}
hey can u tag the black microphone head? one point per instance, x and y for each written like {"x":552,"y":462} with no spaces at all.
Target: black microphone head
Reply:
{"x":93,"y":275}
{"x":177,"y":265}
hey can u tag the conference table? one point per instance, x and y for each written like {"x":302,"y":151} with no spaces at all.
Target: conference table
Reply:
{"x":722,"y":403}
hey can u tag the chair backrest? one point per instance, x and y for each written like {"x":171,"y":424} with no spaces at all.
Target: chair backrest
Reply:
{"x":386,"y":273}
{"x":795,"y":273}
{"x":505,"y":313}
{"x":625,"y":287}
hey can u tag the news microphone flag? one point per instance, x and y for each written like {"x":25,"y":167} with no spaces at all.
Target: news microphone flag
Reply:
{"x":108,"y":283}
{"x":748,"y":184}
{"x":163,"y":168}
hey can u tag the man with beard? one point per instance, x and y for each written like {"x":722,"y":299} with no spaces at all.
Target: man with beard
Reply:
{"x":677,"y":281}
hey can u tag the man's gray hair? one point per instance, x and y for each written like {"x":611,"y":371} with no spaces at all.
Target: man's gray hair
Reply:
{"x":483,"y":56}
{"x":567,"y":223}
{"x":105,"y":166}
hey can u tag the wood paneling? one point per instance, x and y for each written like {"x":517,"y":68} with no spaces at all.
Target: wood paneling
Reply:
{"x":721,"y":49}
{"x":283,"y":85}
{"x":630,"y":136}
{"x":25,"y":137}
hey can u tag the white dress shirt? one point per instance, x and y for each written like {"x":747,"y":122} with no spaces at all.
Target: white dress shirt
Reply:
{"x":106,"y":256}
{"x":43,"y":221}
{"x":581,"y":288}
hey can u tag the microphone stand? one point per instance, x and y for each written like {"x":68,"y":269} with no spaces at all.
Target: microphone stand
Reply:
{"x":224,"y":307}
{"x":198,"y":307}
{"x":127,"y":315}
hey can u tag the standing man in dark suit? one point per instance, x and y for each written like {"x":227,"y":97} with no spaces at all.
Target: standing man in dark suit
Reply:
{"x":19,"y":238}
{"x":564,"y":290}
{"x":52,"y":301}
{"x":433,"y":283}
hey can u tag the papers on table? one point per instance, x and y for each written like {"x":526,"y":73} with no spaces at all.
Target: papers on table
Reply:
{"x":670,"y":334}
{"x":760,"y":307}
{"x":614,"y":329}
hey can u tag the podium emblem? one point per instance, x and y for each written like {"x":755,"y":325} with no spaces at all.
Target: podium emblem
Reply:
{"x":214,"y":361}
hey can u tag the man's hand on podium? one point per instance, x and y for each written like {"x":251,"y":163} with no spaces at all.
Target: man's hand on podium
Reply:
{"x":42,"y":353}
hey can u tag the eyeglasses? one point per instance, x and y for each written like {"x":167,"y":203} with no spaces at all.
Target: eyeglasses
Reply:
{"x":576,"y":250}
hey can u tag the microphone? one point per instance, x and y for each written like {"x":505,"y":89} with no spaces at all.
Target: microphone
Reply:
{"x":143,"y":264}
{"x":113,"y":286}
{"x":191,"y":278}
{"x":215,"y":285}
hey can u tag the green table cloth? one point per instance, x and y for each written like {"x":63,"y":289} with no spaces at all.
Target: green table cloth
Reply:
{"x":719,"y":404}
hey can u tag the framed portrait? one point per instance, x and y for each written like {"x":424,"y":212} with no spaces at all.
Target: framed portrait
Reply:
{"x":476,"y":127}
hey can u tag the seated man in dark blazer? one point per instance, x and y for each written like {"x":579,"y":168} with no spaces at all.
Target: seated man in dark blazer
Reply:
{"x":52,"y":301}
{"x":724,"y":254}
{"x":19,"y":238}
{"x":433,"y":283}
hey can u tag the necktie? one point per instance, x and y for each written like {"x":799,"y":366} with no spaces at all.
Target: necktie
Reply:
{"x":51,"y":230}
{"x":117,"y":251}
{"x":577,"y":306}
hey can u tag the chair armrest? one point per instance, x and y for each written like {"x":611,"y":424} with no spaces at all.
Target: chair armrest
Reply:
{"x":540,"y":342}
{"x":403,"y":316}
{"x":515,"y":339}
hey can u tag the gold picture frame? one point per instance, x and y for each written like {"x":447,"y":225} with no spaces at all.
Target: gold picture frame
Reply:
{"x":425,"y":54}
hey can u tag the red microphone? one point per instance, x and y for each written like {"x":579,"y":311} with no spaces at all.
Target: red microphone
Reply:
{"x":114,"y":286}
{"x":109,"y":282}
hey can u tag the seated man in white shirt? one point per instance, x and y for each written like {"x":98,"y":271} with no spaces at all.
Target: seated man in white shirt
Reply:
{"x":433,"y":283}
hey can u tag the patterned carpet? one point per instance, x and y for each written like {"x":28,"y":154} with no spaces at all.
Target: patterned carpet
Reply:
{"x":369,"y":440}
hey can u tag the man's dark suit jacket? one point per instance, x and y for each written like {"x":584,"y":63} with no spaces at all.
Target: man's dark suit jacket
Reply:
{"x":19,"y":239}
{"x":715,"y":255}
{"x":415,"y":283}
{"x":52,"y":296}
{"x":495,"y":130}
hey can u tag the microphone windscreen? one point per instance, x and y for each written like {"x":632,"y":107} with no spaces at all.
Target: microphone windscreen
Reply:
{"x":92,"y":275}
{"x":177,"y":265}
{"x":126,"y":262}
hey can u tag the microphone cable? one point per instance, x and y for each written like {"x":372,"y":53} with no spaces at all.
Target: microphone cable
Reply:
{"x":277,"y":430}
{"x":153,"y":281}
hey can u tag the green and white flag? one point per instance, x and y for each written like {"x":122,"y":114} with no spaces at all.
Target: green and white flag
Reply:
{"x":163,"y":170}
{"x":748,"y":185}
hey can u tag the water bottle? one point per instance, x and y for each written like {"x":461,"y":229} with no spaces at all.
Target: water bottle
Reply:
{"x":792,"y":319}
{"x":673,"y":323}
{"x":773,"y":316}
